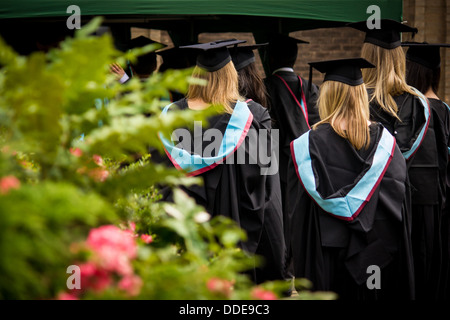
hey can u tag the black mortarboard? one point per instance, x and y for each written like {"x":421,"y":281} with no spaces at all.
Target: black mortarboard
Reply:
{"x":284,"y":44}
{"x":142,"y":41}
{"x":283,"y":40}
{"x":347,"y":71}
{"x":283,"y":50}
{"x":388,"y":36}
{"x":242,"y":56}
{"x":176,"y":58}
{"x":146,"y":63}
{"x":214,"y":56}
{"x":426,"y":54}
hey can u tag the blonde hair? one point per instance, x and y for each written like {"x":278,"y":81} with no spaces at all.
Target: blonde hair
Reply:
{"x":346,"y":109}
{"x":222,"y":88}
{"x":387,"y":79}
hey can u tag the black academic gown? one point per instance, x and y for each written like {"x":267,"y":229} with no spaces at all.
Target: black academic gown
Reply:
{"x":334,"y":252}
{"x":288,"y":93}
{"x":411,"y":127}
{"x":425,"y":167}
{"x":427,"y":174}
{"x":441,"y":124}
{"x":272,"y":247}
{"x":241,"y":193}
{"x":285,"y":94}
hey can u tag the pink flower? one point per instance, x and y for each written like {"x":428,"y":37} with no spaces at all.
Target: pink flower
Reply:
{"x":98,"y":160}
{"x":259,"y":293}
{"x":132,"y":284}
{"x":26,"y":164}
{"x":146,"y":238}
{"x":112,"y":236}
{"x":99,"y":174}
{"x":7,"y":183}
{"x":7,"y":150}
{"x":76,"y":152}
{"x":114,"y":261}
{"x":114,"y":248}
{"x":93,"y":277}
{"x":221,"y":286}
{"x":66,"y":296}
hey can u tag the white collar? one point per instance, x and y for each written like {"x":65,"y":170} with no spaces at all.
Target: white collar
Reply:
{"x":283,"y":69}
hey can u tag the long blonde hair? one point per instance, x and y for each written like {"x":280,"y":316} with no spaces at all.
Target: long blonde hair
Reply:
{"x":346,"y":109}
{"x":387,"y":79}
{"x":222,"y":88}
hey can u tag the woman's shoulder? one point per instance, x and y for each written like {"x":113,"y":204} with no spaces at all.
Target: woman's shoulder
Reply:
{"x":260,"y":113}
{"x":414,"y":94}
{"x":181,"y":104}
{"x":176,"y":105}
{"x":440,"y":108}
{"x":322,"y":133}
{"x":438,"y":103}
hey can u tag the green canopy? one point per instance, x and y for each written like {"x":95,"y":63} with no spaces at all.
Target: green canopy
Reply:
{"x":290,"y":15}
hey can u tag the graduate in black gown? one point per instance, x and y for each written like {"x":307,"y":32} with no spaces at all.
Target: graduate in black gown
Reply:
{"x":251,"y":84}
{"x":402,"y":109}
{"x":176,"y":59}
{"x":423,"y":62}
{"x":272,"y":245}
{"x":143,"y":66}
{"x":291,"y":103}
{"x":347,"y":196}
{"x":406,"y":113}
{"x":234,"y":183}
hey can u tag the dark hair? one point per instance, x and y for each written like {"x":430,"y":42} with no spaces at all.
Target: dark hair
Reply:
{"x":282,"y":55}
{"x":421,"y":77}
{"x":251,"y":85}
{"x":145,"y":64}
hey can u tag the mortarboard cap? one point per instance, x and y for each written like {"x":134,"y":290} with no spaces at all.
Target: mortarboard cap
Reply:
{"x":282,"y":43}
{"x":283,"y":50}
{"x":145,"y":63}
{"x":426,"y":54}
{"x":142,"y":41}
{"x":176,"y":58}
{"x":388,"y":36}
{"x":242,"y":56}
{"x":347,"y":71}
{"x":213,"y":56}
{"x":280,"y":39}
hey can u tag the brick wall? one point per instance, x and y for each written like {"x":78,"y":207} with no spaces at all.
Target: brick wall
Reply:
{"x":432,"y":18}
{"x":332,"y":43}
{"x":326,"y":44}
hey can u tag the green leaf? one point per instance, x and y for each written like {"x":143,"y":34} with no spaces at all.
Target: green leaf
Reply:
{"x":89,"y":28}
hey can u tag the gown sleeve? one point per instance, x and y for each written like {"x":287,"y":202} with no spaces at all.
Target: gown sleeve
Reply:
{"x":311,"y":102}
{"x":304,"y":257}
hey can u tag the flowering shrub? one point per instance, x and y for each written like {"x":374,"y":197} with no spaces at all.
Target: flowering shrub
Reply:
{"x":261,"y":294}
{"x":7,"y":183}
{"x":220,"y":286}
{"x":111,"y":252}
